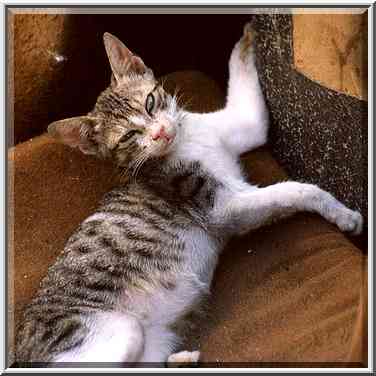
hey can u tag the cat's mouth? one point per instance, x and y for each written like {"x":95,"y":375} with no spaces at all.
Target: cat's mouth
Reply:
{"x":163,"y":137}
{"x":163,"y":146}
{"x":165,"y":131}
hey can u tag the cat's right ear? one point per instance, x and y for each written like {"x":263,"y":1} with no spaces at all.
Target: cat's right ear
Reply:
{"x":75,"y":132}
{"x":122,"y":60}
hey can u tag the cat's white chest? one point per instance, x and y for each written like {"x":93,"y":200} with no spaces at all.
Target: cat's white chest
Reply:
{"x":193,"y":279}
{"x":201,"y":142}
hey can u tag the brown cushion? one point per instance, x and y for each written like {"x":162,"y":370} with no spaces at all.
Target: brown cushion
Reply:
{"x":287,"y":292}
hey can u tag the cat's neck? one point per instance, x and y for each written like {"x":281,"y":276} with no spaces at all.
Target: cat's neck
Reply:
{"x":164,"y":170}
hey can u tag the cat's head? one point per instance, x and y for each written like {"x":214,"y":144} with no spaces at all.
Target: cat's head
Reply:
{"x":134,"y":119}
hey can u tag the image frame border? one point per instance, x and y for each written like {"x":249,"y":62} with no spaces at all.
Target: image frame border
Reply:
{"x":7,"y":136}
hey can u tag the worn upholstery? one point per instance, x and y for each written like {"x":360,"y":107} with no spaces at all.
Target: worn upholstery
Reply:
{"x":288,"y":292}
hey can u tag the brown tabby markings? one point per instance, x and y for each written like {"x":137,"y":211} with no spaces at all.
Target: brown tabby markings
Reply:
{"x":95,"y":268}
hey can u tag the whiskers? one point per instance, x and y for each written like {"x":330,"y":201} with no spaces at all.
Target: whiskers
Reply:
{"x":180,"y":101}
{"x":130,"y":173}
{"x":175,"y":113}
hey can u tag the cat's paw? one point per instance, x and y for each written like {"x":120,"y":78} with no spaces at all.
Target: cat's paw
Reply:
{"x":349,"y":221}
{"x":183,"y":358}
{"x":243,"y":54}
{"x":247,"y":41}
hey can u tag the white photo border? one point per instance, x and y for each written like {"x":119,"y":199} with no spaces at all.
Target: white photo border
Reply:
{"x":183,"y":7}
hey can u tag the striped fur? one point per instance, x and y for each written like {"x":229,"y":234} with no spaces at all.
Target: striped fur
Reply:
{"x":132,"y":243}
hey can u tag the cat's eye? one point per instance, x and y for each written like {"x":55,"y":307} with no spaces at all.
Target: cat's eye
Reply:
{"x":129,"y":135}
{"x":149,"y":104}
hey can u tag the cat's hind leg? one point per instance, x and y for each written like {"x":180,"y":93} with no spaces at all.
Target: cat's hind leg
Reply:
{"x":160,"y":343}
{"x":246,"y":111}
{"x":182,"y":358}
{"x":113,"y":338}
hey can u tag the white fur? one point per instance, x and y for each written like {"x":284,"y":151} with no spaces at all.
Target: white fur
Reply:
{"x":216,"y":140}
{"x":184,"y":357}
{"x":161,"y":308}
{"x":140,"y":121}
{"x":114,"y":337}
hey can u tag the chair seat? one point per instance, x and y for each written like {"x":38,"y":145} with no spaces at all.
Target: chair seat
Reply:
{"x":285,"y":293}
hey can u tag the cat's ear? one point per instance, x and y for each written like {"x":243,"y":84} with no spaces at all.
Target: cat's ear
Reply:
{"x":75,"y":132}
{"x":122,"y":60}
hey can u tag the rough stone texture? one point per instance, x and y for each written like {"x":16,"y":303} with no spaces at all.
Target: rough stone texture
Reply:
{"x":332,"y":50}
{"x":319,"y":135}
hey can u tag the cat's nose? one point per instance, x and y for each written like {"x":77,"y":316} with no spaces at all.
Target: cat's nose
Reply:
{"x":161,"y":133}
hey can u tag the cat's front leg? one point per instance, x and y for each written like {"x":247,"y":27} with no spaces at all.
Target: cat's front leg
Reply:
{"x":245,"y":99}
{"x":251,"y":209}
{"x":243,"y":124}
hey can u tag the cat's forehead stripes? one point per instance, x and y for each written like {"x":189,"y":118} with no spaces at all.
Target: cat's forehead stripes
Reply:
{"x":157,"y":86}
{"x":115,"y":105}
{"x":121,"y":109}
{"x":113,"y":140}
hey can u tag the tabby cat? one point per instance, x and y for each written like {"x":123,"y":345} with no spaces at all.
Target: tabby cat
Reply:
{"x":146,"y":258}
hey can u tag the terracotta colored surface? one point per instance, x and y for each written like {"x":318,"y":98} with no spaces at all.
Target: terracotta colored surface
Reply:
{"x":35,"y":41}
{"x":359,"y":345}
{"x":288,"y":292}
{"x":332,"y":50}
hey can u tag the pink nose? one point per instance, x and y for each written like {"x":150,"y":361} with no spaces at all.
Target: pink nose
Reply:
{"x":160,"y":133}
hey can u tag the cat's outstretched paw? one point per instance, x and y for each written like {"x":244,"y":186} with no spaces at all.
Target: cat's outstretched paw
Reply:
{"x":246,"y":42}
{"x":242,"y":56}
{"x":350,"y":221}
{"x":183,"y":358}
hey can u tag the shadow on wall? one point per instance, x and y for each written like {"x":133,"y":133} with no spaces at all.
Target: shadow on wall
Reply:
{"x":60,"y":64}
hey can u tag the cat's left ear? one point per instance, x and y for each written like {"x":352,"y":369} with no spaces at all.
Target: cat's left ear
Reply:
{"x":75,"y":132}
{"x":122,"y":60}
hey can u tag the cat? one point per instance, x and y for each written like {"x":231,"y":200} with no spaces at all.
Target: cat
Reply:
{"x":145,"y":259}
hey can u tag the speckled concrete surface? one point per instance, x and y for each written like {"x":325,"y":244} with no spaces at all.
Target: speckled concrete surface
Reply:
{"x":319,"y":135}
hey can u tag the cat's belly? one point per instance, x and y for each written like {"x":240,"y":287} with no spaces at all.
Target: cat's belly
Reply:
{"x":162,"y":306}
